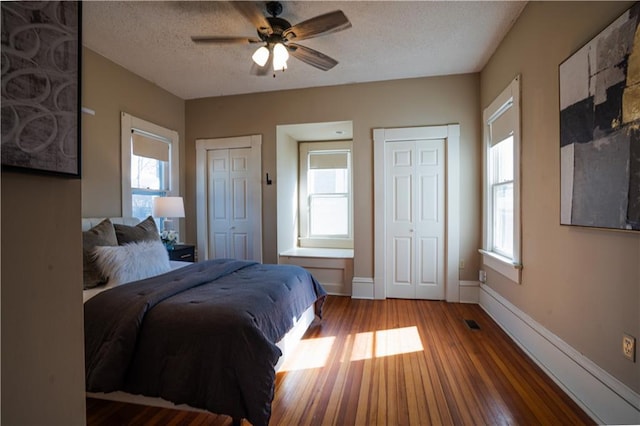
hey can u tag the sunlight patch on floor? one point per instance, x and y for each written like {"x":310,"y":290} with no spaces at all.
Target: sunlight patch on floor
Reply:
{"x":314,"y":353}
{"x":383,"y":343}
{"x":363,"y":346}
{"x":398,"y":341}
{"x":309,"y":353}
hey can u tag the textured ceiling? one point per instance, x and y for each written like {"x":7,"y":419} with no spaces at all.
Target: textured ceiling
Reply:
{"x":388,"y":40}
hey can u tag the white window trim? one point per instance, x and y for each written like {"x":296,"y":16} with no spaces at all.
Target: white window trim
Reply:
{"x":316,"y":242}
{"x":510,"y":268}
{"x":127,"y":124}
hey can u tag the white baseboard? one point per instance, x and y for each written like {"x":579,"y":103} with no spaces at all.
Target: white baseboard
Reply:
{"x":600,"y":395}
{"x":469,"y":291}
{"x":362,"y":288}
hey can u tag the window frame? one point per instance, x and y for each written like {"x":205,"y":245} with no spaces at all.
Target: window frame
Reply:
{"x":129,"y":124}
{"x":506,"y":107}
{"x":304,"y":239}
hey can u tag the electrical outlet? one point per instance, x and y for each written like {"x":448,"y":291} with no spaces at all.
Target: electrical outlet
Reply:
{"x":461,"y":263}
{"x":629,"y":347}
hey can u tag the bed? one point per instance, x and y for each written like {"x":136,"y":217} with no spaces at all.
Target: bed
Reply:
{"x":210,"y":335}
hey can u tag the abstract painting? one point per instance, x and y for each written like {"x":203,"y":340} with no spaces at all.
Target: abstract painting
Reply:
{"x":600,"y":129}
{"x":41,"y":86}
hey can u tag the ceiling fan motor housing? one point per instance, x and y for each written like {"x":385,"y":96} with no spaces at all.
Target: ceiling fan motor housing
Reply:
{"x":278,"y":26}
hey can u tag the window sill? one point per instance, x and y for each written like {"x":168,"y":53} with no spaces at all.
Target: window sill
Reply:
{"x":325,"y":243}
{"x":502,"y":265}
{"x":318,"y":252}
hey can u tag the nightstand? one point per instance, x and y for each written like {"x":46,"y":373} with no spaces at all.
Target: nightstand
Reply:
{"x":183,"y":252}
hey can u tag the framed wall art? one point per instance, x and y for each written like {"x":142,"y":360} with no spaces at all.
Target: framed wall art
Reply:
{"x":600,"y":129}
{"x":41,"y":68}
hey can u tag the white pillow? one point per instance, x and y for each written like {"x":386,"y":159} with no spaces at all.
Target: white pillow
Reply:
{"x":132,"y":262}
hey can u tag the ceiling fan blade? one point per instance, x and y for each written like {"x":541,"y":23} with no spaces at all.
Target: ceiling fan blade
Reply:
{"x":320,"y":25}
{"x":253,"y":13}
{"x":225,"y":40}
{"x":311,"y":57}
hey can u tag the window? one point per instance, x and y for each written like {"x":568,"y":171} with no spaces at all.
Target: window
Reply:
{"x":501,"y":184}
{"x":326,"y":204}
{"x":501,"y":245}
{"x":149,"y":171}
{"x":149,"y":165}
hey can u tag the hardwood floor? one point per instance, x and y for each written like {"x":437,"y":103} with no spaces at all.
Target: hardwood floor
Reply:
{"x":393,"y":362}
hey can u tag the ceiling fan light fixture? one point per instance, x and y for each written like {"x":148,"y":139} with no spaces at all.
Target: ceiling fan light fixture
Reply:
{"x":261,"y":56}
{"x":277,"y":34}
{"x":280,"y":57}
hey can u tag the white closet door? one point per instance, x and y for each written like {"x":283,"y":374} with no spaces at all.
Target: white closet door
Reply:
{"x":415,"y":175}
{"x":230,"y":204}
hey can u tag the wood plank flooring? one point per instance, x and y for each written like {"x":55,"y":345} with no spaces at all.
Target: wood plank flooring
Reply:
{"x":393,"y":362}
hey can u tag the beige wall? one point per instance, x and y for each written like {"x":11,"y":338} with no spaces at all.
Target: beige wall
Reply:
{"x":42,"y":331}
{"x":42,"y":323}
{"x":581,"y":284}
{"x":402,"y":103}
{"x":109,"y":89}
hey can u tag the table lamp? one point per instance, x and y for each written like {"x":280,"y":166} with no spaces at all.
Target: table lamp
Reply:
{"x":168,"y":207}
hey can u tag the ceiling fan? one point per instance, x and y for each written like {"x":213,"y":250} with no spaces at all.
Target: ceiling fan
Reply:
{"x":279,"y":37}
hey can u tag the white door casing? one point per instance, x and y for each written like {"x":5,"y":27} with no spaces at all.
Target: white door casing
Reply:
{"x":382,"y":197}
{"x":229,"y":169}
{"x":415,"y":218}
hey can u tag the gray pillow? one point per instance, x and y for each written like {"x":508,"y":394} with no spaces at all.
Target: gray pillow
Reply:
{"x":103,"y":234}
{"x":144,"y":231}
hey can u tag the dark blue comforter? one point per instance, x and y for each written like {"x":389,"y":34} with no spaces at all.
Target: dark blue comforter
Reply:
{"x":203,"y":335}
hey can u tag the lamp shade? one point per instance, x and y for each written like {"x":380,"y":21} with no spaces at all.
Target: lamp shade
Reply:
{"x":261,"y":56}
{"x":280,"y":56}
{"x":168,"y":207}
